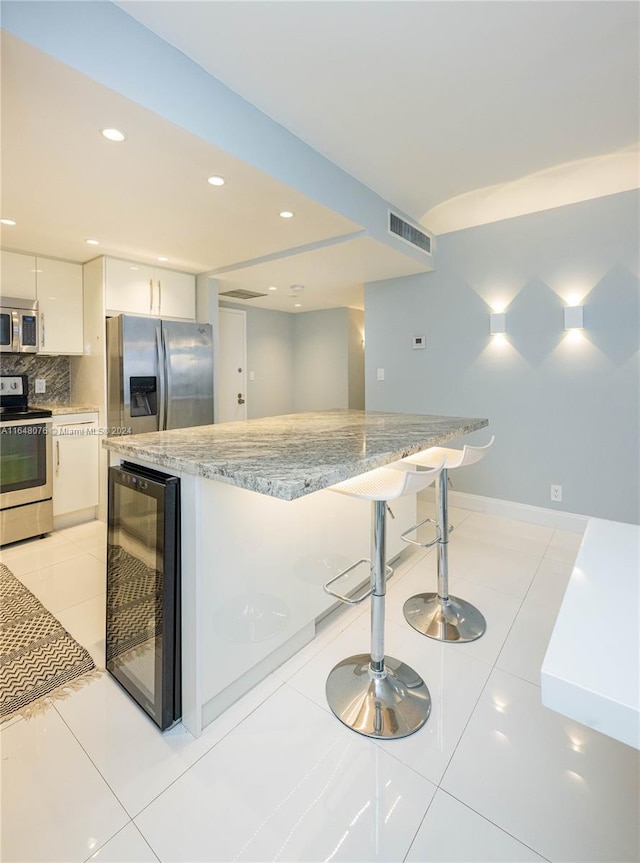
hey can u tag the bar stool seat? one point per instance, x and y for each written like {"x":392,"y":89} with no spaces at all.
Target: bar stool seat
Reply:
{"x":440,"y":615}
{"x":373,"y":694}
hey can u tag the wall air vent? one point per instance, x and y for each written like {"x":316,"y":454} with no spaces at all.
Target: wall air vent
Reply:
{"x":241,"y":294}
{"x":409,"y":233}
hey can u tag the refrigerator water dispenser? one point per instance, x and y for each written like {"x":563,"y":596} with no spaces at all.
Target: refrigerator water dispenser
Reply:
{"x":143,"y":396}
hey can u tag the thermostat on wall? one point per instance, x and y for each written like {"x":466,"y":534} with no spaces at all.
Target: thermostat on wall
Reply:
{"x":419,"y":342}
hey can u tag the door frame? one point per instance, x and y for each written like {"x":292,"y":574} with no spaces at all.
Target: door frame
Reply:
{"x":222,"y":311}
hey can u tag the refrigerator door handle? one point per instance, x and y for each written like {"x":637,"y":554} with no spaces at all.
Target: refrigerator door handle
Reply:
{"x":162,"y":380}
{"x":166,"y":371}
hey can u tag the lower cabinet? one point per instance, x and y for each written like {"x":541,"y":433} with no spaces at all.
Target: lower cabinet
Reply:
{"x":75,"y":462}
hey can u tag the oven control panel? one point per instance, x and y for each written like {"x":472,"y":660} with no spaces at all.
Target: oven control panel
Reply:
{"x":12,"y":385}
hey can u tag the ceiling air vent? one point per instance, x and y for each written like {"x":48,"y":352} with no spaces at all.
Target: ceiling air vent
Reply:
{"x":241,"y":294}
{"x":409,"y":233}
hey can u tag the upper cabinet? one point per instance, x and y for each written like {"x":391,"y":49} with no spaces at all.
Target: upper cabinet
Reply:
{"x":59,"y":294}
{"x":128,"y":287}
{"x":176,"y":294}
{"x":17,"y":275}
{"x":57,"y":285}
{"x":142,"y":290}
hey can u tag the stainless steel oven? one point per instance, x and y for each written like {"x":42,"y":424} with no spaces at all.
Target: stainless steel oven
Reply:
{"x":18,"y":326}
{"x":26,"y":476}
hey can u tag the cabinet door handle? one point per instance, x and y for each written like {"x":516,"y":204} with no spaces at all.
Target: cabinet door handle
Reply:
{"x":57,"y":457}
{"x":159,"y":296}
{"x":150,"y":295}
{"x":42,"y":328}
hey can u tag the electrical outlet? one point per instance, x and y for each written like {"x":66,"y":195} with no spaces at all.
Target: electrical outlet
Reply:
{"x":556,"y":493}
{"x":380,"y":374}
{"x":41,"y":385}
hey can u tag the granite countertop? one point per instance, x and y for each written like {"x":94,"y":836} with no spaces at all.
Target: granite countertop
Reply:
{"x":59,"y":410}
{"x":296,"y":454}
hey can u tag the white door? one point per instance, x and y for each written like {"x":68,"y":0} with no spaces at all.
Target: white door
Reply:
{"x":232,"y":365}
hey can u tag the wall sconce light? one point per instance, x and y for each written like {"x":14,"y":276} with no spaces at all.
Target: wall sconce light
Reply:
{"x":574,"y":318}
{"x":498,"y":323}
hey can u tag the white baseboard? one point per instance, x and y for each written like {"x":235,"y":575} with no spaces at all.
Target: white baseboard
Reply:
{"x":518,"y":511}
{"x":70,"y":519}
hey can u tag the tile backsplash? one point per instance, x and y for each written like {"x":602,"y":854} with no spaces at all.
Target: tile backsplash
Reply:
{"x":54,"y":370}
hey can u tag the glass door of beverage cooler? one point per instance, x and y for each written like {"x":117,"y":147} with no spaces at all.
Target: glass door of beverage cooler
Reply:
{"x":143,"y":589}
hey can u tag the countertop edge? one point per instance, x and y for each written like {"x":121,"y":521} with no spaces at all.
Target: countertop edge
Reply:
{"x":62,"y":410}
{"x":284,"y":490}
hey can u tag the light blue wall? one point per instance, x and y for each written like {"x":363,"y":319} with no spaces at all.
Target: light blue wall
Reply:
{"x":321,"y":349}
{"x":304,"y":361}
{"x":355,"y":325}
{"x":563,"y":412}
{"x":328,"y":360}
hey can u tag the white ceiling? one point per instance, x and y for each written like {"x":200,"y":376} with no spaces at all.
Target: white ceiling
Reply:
{"x":63,"y":182}
{"x":440,"y":107}
{"x":426,"y":101}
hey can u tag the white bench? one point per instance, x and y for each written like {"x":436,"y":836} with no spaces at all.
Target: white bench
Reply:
{"x":591,"y":670}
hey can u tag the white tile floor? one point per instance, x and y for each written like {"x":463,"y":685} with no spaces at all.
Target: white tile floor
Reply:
{"x":493,"y":776}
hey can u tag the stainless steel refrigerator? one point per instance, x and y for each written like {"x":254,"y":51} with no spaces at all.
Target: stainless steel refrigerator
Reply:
{"x":159,"y":374}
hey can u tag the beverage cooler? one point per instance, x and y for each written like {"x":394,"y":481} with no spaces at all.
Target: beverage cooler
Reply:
{"x":143,"y":589}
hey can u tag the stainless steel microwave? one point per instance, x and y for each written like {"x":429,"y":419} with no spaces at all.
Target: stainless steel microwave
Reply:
{"x":18,"y":326}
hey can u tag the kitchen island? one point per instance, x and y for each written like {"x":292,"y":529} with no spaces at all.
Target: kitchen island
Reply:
{"x":261,"y":532}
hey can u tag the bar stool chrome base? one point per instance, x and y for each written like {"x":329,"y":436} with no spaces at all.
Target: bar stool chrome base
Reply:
{"x":389,"y":705}
{"x":451,"y":619}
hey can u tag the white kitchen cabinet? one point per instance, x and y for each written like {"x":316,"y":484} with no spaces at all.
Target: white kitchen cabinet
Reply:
{"x":75,"y":462}
{"x":60,"y":306}
{"x":17,"y":275}
{"x":128,"y":287}
{"x":176,"y":294}
{"x":143,"y":290}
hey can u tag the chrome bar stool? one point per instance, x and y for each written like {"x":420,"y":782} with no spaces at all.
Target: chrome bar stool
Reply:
{"x":439,"y":615}
{"x":374,"y":694}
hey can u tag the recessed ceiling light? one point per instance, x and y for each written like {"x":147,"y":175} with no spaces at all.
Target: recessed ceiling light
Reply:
{"x":216,"y":181}
{"x":272,"y":288}
{"x":7,"y":222}
{"x":93,"y":242}
{"x":286,"y":214}
{"x":112,"y":135}
{"x":298,"y":305}
{"x":163,"y":259}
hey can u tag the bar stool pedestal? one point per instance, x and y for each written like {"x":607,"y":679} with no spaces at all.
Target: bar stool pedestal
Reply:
{"x":439,"y":615}
{"x":373,"y":694}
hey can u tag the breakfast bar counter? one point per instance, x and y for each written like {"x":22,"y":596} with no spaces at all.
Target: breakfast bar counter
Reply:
{"x":262,"y":532}
{"x":296,"y":454}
